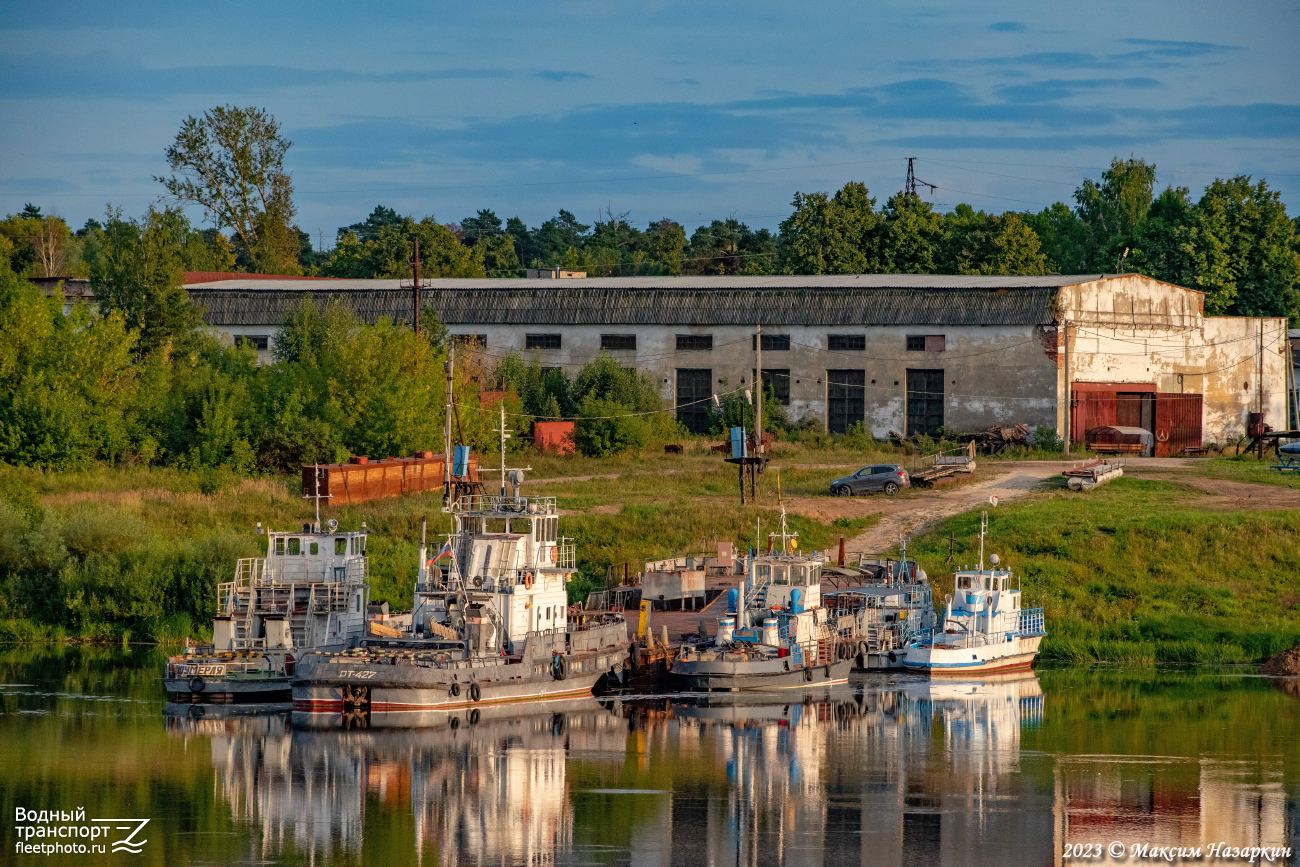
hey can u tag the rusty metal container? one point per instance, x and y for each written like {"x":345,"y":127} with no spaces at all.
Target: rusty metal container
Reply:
{"x":361,"y":479}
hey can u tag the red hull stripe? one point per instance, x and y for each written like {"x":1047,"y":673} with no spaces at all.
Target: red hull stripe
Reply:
{"x":336,"y":705}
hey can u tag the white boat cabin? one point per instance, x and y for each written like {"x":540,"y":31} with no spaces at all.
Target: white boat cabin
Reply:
{"x":310,"y":590}
{"x":983,"y":608}
{"x":505,"y":575}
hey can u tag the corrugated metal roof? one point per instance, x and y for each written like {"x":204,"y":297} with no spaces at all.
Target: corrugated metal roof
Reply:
{"x":578,"y":302}
{"x":829,"y":281}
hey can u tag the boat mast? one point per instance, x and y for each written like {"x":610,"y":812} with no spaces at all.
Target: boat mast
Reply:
{"x":446,"y":434}
{"x":984,"y":525}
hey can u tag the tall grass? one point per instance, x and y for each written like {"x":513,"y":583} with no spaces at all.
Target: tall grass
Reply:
{"x":1137,"y":572}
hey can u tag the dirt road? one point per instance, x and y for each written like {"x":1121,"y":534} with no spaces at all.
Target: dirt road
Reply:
{"x":904,"y":516}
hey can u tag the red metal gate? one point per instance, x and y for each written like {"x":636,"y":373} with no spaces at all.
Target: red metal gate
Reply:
{"x":1178,"y":423}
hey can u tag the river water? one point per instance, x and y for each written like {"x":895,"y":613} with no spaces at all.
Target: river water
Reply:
{"x":888,"y":770}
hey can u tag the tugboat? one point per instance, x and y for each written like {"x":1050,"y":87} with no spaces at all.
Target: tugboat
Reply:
{"x":890,"y":611}
{"x":983,"y":629}
{"x":493,"y":628}
{"x":309,"y":591}
{"x":776,"y":634}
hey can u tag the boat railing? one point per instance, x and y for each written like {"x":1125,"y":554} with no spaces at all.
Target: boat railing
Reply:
{"x":1031,"y":622}
{"x":498,"y":503}
{"x":566,"y":554}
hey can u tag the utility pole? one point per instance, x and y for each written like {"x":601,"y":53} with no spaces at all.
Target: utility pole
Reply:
{"x":758,"y":387}
{"x":415,"y":286}
{"x":1069,"y":404}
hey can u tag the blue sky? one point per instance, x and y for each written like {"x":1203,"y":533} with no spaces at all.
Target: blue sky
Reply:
{"x":687,"y":110}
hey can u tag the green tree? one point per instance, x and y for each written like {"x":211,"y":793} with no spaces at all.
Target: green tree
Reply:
{"x":978,"y":243}
{"x":1240,"y":249}
{"x":912,"y":237}
{"x":1113,"y":209}
{"x":139,"y":270}
{"x":832,"y":235}
{"x":230,"y":162}
{"x":387,"y":254}
{"x":1063,"y":237}
{"x":665,"y":243}
{"x":67,"y":383}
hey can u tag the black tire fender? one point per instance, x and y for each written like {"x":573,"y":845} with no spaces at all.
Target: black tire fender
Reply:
{"x":559,"y":667}
{"x":474,"y":692}
{"x":197,"y":684}
{"x":454,"y":689}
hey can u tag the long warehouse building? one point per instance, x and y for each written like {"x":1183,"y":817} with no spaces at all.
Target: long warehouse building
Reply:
{"x":896,"y":353}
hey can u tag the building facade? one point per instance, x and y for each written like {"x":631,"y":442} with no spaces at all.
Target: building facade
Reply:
{"x":895,"y":353}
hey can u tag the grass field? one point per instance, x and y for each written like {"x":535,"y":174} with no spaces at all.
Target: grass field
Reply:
{"x":1138,"y":571}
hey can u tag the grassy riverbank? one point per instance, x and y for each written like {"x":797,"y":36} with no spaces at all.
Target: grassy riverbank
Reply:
{"x":1142,"y":572}
{"x":136,"y":554}
{"x":1138,"y":571}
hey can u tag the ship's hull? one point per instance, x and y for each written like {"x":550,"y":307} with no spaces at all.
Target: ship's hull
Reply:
{"x":940,"y":660}
{"x":722,"y":675}
{"x":333,"y":685}
{"x":221,"y":690}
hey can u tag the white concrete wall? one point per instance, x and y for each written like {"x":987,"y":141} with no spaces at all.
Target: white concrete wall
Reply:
{"x":1138,"y":330}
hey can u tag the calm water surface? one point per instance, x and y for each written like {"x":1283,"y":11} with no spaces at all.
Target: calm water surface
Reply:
{"x":889,"y":770}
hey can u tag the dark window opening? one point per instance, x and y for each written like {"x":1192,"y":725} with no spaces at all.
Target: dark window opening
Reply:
{"x":618,"y":342}
{"x":924,"y":402}
{"x":926,"y":343}
{"x":772,"y":342}
{"x":694,"y":398}
{"x":694,"y":342}
{"x":260,"y":342}
{"x":478,"y":341}
{"x":541,"y":341}
{"x":846,"y":399}
{"x":848,"y":342}
{"x":778,"y":381}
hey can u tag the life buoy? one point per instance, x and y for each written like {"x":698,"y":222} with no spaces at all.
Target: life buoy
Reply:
{"x":474,"y":692}
{"x":455,"y":689}
{"x":197,"y":684}
{"x":528,"y":580}
{"x":559,"y":667}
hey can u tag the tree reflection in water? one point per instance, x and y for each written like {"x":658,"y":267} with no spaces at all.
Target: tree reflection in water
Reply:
{"x":890,"y":771}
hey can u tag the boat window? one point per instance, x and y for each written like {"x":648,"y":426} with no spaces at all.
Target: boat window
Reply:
{"x":552,"y":529}
{"x":778,"y":574}
{"x":762,"y":571}
{"x":522,"y":526}
{"x":963,"y":583}
{"x":315,"y":548}
{"x":798,"y":575}
{"x":816,"y":574}
{"x":340,"y":546}
{"x":295,"y":547}
{"x":1015,"y":601}
{"x":279,"y":547}
{"x":496,"y":525}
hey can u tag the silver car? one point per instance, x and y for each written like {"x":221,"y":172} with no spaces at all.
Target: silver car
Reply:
{"x":878,"y":477}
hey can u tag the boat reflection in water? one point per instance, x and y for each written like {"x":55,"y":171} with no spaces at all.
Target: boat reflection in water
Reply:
{"x":894,"y":771}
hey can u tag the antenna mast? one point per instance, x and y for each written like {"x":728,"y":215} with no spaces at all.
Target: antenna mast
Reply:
{"x":446,"y":434}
